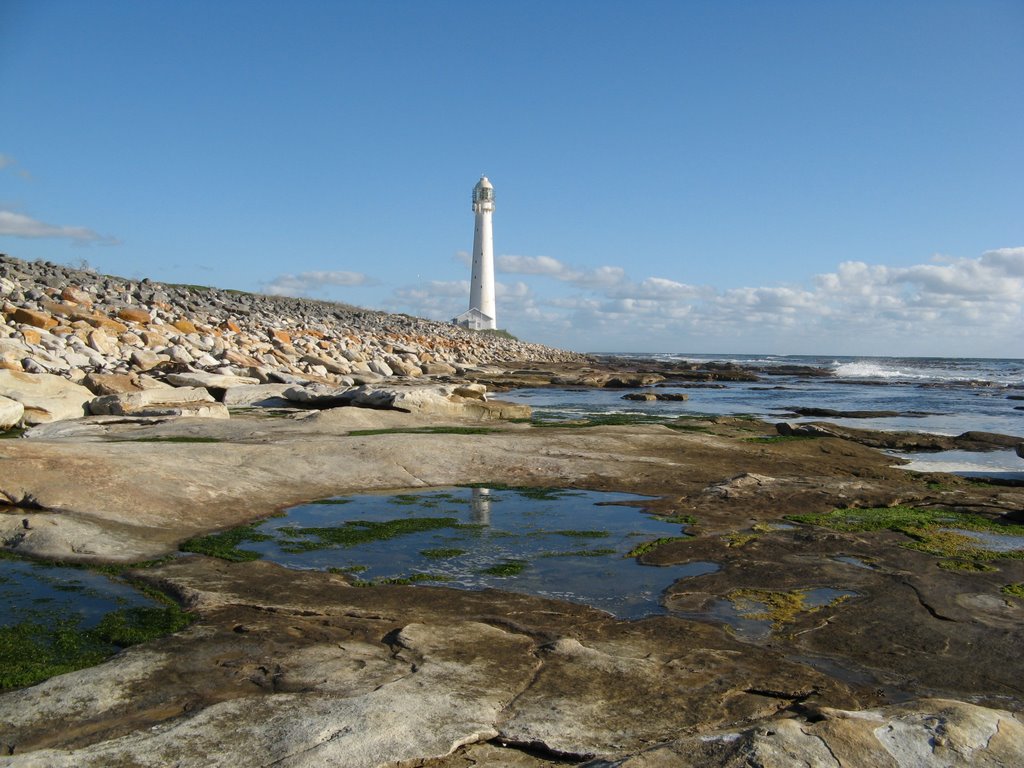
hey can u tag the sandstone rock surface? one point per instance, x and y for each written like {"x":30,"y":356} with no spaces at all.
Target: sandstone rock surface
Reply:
{"x":45,"y":397}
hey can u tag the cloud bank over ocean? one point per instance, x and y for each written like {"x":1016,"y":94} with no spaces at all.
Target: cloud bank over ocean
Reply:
{"x":860,"y":308}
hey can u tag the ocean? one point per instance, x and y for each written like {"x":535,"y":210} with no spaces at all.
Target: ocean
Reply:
{"x":946,"y":396}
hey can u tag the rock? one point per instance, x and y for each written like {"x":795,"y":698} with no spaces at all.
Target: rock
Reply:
{"x":641,"y":396}
{"x":101,"y":321}
{"x":626,"y":380}
{"x":804,"y":430}
{"x":101,"y":342}
{"x":439,"y":401}
{"x":929,"y":732}
{"x":76,"y":296}
{"x":44,"y":396}
{"x":652,"y":396}
{"x":145,"y":360}
{"x":12,"y":350}
{"x":134,"y":315}
{"x":11,"y":413}
{"x":34,"y":318}
{"x":111,"y":383}
{"x":263,"y":395}
{"x":437,"y":369}
{"x":331,"y":366}
{"x":210,"y":381}
{"x":180,"y":401}
{"x":471,"y":391}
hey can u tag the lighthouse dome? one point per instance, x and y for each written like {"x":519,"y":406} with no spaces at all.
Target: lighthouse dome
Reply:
{"x":483,"y":192}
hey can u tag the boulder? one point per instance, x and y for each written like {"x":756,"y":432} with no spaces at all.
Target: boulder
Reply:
{"x":641,"y":396}
{"x":438,"y":369}
{"x":210,"y":381}
{"x":76,"y":296}
{"x":144,"y":360}
{"x":44,"y":396}
{"x":13,"y":351}
{"x":179,"y":401}
{"x":112,"y":383}
{"x":472,"y":391}
{"x":440,"y":401}
{"x":185,"y":326}
{"x":331,"y":366}
{"x":11,"y":412}
{"x":134,"y":315}
{"x":262,"y":395}
{"x":34,"y":318}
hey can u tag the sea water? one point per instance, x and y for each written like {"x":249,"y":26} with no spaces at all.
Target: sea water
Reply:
{"x":945,"y":396}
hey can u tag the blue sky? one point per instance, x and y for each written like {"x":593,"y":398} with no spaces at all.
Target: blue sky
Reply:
{"x":786,"y":177}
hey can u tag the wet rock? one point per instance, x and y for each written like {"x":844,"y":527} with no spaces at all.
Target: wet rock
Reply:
{"x":834,"y":414}
{"x":641,"y":396}
{"x":652,"y":396}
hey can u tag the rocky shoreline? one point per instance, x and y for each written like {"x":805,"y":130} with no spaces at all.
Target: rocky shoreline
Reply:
{"x":243,"y":417}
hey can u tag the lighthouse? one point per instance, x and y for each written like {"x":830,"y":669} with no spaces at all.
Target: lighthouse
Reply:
{"x":481,"y":314}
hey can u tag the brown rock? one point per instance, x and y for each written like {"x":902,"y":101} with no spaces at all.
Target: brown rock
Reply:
{"x":111,"y":383}
{"x":30,"y":335}
{"x":185,"y":326}
{"x":134,"y":315}
{"x":281,"y":336}
{"x":58,"y":308}
{"x":76,"y":296}
{"x":34,"y":318}
{"x":239,"y":359}
{"x":97,"y":320}
{"x":230,"y":325}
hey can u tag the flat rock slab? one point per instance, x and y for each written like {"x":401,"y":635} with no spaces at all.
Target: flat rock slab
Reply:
{"x":320,"y":673}
{"x":164,"y":482}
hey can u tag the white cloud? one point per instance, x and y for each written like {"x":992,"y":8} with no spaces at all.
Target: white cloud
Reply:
{"x":19,"y":225}
{"x":5,"y":161}
{"x":313,"y":283}
{"x":533,"y":265}
{"x":966,"y":306}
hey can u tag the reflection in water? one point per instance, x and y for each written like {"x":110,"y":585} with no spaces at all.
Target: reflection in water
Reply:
{"x":480,"y":506}
{"x":564,"y":544}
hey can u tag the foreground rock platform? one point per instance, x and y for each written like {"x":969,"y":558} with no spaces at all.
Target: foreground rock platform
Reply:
{"x":920,"y":666}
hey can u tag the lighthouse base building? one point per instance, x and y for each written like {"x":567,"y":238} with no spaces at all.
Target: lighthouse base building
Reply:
{"x":481,"y":314}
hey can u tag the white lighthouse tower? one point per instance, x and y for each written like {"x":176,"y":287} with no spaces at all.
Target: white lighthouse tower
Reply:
{"x":481,"y":313}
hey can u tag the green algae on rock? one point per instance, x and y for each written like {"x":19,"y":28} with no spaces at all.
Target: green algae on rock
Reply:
{"x":940,"y":532}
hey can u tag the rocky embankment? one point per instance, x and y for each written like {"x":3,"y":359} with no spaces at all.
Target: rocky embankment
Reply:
{"x":85,"y":336}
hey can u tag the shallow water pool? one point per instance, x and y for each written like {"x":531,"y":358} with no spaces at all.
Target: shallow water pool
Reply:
{"x":46,"y":594}
{"x":566,"y":544}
